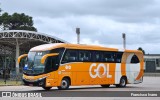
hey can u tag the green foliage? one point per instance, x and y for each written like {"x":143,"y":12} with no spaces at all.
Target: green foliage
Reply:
{"x":140,"y":48}
{"x":16,"y":22}
{"x":0,"y":10}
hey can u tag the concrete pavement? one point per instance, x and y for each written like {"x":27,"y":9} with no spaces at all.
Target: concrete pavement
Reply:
{"x":149,"y":84}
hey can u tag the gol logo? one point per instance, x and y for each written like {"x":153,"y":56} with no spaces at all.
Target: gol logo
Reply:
{"x":97,"y":70}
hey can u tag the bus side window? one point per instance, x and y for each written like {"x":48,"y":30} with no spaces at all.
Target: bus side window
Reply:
{"x":70,"y":56}
{"x":84,"y":56}
{"x":58,"y":50}
{"x":118,"y":57}
{"x":49,"y":64}
{"x":134,"y":59}
{"x":97,"y":56}
{"x":108,"y":57}
{"x":52,"y":64}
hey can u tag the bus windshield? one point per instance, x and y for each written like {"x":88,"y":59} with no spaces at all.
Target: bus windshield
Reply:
{"x":33,"y":65}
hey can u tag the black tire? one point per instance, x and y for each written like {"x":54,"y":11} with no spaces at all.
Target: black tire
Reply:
{"x":47,"y":88}
{"x":64,"y":84}
{"x":105,"y":86}
{"x":123,"y":82}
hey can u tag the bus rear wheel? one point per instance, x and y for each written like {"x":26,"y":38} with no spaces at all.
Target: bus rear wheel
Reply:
{"x":123,"y":82}
{"x":64,"y":84}
{"x":105,"y":86}
{"x":47,"y":88}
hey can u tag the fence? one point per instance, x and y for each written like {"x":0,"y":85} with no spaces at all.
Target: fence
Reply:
{"x":11,"y":79}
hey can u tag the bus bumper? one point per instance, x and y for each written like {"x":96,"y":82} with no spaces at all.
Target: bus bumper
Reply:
{"x":35,"y":83}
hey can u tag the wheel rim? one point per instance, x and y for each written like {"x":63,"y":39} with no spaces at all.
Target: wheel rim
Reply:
{"x":123,"y":82}
{"x":64,"y":84}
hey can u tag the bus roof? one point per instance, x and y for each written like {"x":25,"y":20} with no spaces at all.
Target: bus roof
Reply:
{"x":46,"y":47}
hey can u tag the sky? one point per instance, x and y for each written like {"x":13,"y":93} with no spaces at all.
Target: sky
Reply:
{"x":102,"y":22}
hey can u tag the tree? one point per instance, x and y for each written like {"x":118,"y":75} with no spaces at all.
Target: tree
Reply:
{"x":140,"y":48}
{"x":16,"y":22}
{"x":0,"y":10}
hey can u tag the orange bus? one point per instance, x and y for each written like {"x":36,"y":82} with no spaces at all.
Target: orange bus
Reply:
{"x":62,"y":65}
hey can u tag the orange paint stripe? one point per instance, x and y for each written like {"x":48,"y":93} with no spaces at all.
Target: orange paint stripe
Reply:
{"x":123,"y":69}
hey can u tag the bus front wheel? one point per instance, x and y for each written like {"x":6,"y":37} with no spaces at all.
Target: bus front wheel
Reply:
{"x":64,"y":84}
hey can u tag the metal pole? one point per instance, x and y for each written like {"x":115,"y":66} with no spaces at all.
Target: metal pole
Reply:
{"x":78,"y":35}
{"x":5,"y":71}
{"x":124,"y":40}
{"x":17,"y":55}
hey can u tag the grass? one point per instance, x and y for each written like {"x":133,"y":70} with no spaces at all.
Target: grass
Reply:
{"x":10,"y":83}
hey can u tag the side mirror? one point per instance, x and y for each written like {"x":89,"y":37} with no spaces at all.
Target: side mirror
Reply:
{"x":48,"y":55}
{"x":22,"y":56}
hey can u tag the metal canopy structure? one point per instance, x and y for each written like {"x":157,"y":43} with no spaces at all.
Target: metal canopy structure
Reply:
{"x":16,"y":42}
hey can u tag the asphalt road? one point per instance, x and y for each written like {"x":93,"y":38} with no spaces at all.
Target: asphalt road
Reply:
{"x":149,"y":84}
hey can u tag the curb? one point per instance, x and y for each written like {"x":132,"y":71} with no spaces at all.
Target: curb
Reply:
{"x":152,"y":74}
